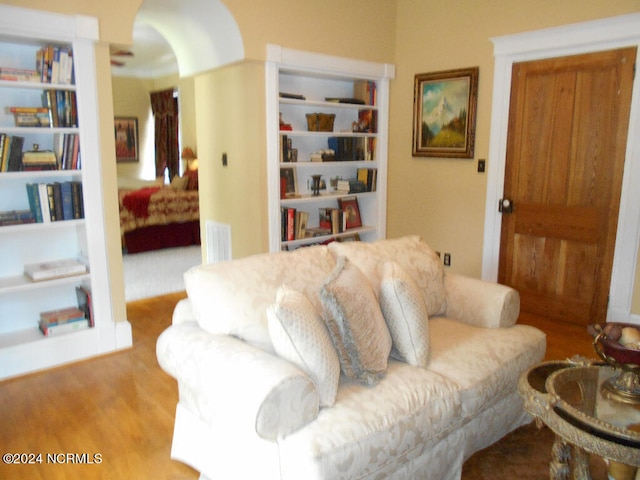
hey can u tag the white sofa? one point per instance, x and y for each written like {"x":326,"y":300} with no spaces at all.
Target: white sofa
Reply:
{"x":346,"y":361}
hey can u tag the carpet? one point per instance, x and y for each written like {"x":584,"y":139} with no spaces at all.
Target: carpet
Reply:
{"x":158,"y":272}
{"x":524,"y":454}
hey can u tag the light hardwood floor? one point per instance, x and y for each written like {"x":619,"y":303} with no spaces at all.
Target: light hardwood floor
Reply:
{"x":121,"y":406}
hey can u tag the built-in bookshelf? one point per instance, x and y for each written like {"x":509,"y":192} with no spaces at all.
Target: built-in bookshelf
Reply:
{"x":327,"y":124}
{"x":51,"y":202}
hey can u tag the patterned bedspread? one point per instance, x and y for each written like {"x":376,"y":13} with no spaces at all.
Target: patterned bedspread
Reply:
{"x":156,"y":206}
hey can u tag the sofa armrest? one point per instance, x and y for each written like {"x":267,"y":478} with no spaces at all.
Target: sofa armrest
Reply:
{"x":183,"y":312}
{"x":231,"y":384}
{"x":481,"y":303}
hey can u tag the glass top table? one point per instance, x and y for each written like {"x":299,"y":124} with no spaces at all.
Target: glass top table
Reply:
{"x":575,"y":401}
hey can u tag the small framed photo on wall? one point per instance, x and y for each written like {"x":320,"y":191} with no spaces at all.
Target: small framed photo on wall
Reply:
{"x":126,"y":134}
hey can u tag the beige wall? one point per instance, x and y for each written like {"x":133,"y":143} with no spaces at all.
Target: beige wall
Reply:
{"x":230,"y":116}
{"x":447,"y":197}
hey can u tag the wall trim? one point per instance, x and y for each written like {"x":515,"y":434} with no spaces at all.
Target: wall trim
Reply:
{"x":593,"y":36}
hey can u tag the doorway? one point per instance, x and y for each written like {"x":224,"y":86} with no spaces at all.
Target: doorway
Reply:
{"x":566,"y":146}
{"x":599,"y":35}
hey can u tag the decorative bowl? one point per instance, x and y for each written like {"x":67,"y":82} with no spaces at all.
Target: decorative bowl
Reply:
{"x":607,"y":347}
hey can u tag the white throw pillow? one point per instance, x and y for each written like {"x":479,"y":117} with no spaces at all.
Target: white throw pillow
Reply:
{"x":356,"y":324}
{"x":411,"y":253}
{"x":405,"y":312}
{"x":300,"y":336}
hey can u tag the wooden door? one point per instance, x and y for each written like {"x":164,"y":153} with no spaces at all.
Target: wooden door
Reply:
{"x":566,"y":144}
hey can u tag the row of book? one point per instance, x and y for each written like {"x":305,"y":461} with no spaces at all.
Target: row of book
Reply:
{"x":332,"y":220}
{"x":57,"y":201}
{"x":366,"y":181}
{"x":59,"y":110}
{"x":293,"y":223}
{"x":69,"y":319}
{"x":64,"y":156}
{"x":54,"y":64}
{"x":351,"y":149}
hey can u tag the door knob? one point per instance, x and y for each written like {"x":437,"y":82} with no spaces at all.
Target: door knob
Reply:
{"x":505,"y":205}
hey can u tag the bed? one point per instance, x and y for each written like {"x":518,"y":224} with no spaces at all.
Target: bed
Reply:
{"x":153,"y":217}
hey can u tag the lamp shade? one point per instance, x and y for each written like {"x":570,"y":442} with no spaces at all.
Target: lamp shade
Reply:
{"x":187,"y":154}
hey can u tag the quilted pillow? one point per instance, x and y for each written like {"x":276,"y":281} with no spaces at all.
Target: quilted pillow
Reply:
{"x":356,"y":324}
{"x":406,"y":315}
{"x":300,"y":336}
{"x":411,"y":253}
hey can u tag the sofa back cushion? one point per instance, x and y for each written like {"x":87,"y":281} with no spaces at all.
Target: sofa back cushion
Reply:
{"x":232,"y":297}
{"x":411,"y":253}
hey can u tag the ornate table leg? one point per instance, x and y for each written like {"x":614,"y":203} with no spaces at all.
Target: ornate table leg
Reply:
{"x":560,"y":455}
{"x":581,"y":469}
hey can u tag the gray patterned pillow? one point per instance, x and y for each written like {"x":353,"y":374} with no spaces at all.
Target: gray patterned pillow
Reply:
{"x":300,"y":336}
{"x":356,"y":324}
{"x":406,"y":315}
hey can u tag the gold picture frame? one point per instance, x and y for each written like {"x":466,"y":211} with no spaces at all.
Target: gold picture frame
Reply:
{"x":444,"y":113}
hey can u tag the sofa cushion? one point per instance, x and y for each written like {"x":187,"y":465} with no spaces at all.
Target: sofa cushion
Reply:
{"x":406,"y":315}
{"x":411,"y":253}
{"x":300,"y":336}
{"x":369,"y":432}
{"x":356,"y":324}
{"x":485,"y":362}
{"x":232,"y":297}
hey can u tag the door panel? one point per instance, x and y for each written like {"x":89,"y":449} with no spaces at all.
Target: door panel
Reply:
{"x":568,"y":124}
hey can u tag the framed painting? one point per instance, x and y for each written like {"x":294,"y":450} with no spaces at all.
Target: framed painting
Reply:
{"x":444,"y":113}
{"x":350,"y":207}
{"x":288,"y":182}
{"x":126,"y":132}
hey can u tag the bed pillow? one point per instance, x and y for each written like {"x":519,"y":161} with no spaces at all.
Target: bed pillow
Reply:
{"x":300,"y":336}
{"x":356,"y":324}
{"x":406,"y":315}
{"x":179,"y":183}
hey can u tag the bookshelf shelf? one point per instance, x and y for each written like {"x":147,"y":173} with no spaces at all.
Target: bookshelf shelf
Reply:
{"x":70,"y":125}
{"x":20,"y":283}
{"x":299,"y":84}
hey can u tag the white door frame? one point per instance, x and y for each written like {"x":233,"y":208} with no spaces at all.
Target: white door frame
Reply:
{"x":593,"y":36}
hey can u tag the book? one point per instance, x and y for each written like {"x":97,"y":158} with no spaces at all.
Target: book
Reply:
{"x":14,"y":159}
{"x":352,"y":212}
{"x":49,"y":330}
{"x":54,"y":269}
{"x":67,"y":200}
{"x":16,"y":217}
{"x":34,"y":201}
{"x":83,"y":294}
{"x":302,"y":218}
{"x":62,"y":315}
{"x":44,"y":202}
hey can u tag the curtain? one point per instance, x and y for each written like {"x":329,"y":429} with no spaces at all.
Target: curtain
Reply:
{"x":165,"y":113}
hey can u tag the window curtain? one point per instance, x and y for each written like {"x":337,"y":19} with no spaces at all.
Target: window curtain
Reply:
{"x":165,"y":113}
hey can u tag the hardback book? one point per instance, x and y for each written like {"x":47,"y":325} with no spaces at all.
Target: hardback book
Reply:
{"x":83,"y":294}
{"x":16,"y":217}
{"x":62,"y":315}
{"x":49,"y":330}
{"x":54,"y":269}
{"x":302,"y":218}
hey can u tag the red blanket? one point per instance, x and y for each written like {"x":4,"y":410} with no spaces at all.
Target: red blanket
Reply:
{"x":138,"y":201}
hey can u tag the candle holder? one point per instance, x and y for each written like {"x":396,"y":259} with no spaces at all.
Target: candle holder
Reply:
{"x":316,"y":184}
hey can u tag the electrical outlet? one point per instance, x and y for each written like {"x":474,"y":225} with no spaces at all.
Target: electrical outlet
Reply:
{"x":482,"y":163}
{"x":447,"y":260}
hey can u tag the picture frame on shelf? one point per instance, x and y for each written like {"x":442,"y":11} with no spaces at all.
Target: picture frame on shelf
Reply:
{"x":352,"y":211}
{"x":288,"y":182}
{"x":126,"y":136}
{"x":444,"y":113}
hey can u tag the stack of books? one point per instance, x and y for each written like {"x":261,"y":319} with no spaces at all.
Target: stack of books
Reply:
{"x":69,"y":319}
{"x":31,"y":116}
{"x":54,"y":269}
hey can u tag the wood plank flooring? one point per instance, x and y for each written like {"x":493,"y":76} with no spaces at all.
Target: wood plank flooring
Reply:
{"x":121,"y":406}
